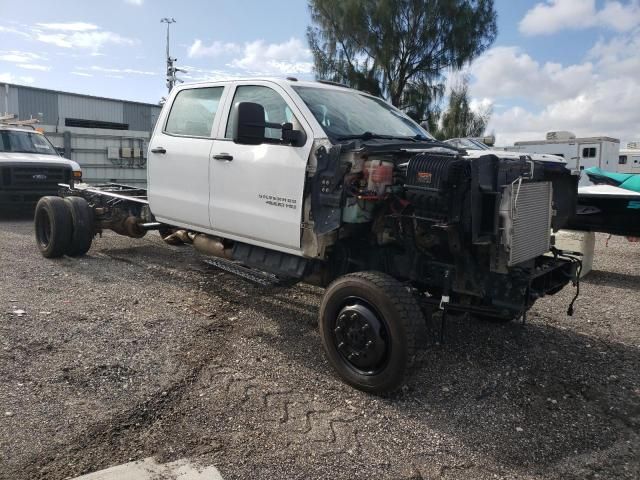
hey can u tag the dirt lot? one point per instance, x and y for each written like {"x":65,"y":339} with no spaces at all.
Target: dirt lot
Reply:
{"x":139,"y":349}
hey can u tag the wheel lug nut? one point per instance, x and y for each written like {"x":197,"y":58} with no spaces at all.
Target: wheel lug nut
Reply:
{"x":364,"y":327}
{"x":354,"y":316}
{"x":338,"y":329}
{"x":340,"y":345}
{"x":369,"y":344}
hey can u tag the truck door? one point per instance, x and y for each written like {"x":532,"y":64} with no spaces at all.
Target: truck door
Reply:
{"x":178,"y":168}
{"x":257,"y":191}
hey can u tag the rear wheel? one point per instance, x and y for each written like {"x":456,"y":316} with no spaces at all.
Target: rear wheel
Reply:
{"x":82,"y":220}
{"x":53,"y":225}
{"x":369,"y":323}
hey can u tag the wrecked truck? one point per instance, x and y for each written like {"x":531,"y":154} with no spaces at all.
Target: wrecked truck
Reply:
{"x":286,"y":181}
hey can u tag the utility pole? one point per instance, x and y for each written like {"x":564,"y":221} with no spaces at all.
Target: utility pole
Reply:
{"x":172,"y":79}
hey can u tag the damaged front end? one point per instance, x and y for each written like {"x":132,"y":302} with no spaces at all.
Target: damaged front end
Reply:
{"x":472,"y":234}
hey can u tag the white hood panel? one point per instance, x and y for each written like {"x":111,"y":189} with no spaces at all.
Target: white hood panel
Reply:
{"x":8,"y":157}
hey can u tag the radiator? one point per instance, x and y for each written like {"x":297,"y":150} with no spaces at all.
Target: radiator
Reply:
{"x":527,"y":211}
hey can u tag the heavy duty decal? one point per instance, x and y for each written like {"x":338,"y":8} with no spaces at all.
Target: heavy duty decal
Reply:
{"x":281,"y":202}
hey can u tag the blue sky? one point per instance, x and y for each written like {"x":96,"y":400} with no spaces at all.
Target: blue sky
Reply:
{"x":556,"y":64}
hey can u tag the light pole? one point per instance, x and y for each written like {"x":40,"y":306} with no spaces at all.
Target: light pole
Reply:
{"x":171,"y":69}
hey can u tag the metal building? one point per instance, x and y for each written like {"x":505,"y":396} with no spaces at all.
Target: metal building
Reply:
{"x":107,"y":137}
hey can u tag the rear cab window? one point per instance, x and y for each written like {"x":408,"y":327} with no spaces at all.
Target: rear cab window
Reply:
{"x":193,"y":112}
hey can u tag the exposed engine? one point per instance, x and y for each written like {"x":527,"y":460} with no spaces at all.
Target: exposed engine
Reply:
{"x":477,"y":230}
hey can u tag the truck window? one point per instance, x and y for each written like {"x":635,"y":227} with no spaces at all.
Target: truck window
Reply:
{"x":276,"y":109}
{"x":18,"y":141}
{"x":193,"y":112}
{"x":622,"y":160}
{"x":589,"y":152}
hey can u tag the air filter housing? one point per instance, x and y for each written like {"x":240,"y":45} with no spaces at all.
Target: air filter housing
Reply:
{"x":432,"y":181}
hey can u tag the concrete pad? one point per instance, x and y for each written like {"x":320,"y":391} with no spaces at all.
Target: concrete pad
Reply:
{"x":149,"y":469}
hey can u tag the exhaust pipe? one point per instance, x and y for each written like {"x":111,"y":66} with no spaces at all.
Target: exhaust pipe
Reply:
{"x":212,"y":246}
{"x":127,"y":226}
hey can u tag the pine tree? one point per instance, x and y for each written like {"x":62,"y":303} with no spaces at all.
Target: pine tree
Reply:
{"x":459,"y":121}
{"x":399,"y":49}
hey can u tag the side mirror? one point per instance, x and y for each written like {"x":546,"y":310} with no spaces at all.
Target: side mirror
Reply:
{"x":249,"y":127}
{"x":296,"y":138}
{"x":248,"y":124}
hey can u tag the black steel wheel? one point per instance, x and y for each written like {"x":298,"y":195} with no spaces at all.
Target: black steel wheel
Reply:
{"x":53,"y":227}
{"x":82,"y":221}
{"x":369,"y":323}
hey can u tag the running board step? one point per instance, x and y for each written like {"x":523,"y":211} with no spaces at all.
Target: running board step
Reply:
{"x":256,"y":276}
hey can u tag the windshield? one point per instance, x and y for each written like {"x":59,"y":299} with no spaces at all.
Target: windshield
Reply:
{"x":468,"y":144}
{"x":348,"y":114}
{"x":18,"y":141}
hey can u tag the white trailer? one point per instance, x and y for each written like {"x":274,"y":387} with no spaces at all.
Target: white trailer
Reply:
{"x":580,"y":153}
{"x":629,"y":159}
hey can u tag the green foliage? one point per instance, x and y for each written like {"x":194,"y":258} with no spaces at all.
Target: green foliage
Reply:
{"x":399,"y":49}
{"x":459,"y":120}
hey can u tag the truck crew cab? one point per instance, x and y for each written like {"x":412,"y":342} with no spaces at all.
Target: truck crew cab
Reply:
{"x":314,"y":182}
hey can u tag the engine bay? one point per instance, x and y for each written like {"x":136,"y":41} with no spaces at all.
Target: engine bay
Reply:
{"x":478,"y":229}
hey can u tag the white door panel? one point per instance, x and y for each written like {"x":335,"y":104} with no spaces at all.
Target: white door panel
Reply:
{"x":258,"y":194}
{"x":179,"y":189}
{"x":179,"y":186}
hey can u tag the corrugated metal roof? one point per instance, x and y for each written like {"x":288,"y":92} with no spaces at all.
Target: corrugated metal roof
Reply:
{"x":12,"y":85}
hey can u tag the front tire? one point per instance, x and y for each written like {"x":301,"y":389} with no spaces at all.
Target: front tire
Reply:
{"x":53,"y":225}
{"x":369,"y":323}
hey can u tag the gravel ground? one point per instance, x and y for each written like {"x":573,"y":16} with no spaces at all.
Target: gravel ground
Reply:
{"x":139,"y":349}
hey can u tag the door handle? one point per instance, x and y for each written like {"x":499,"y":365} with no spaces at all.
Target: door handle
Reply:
{"x":223,"y":156}
{"x":158,"y":150}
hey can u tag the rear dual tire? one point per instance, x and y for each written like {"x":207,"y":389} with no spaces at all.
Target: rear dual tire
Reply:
{"x":63,"y":226}
{"x":82,"y":222}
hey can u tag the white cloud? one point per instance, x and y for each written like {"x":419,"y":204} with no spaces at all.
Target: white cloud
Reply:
{"x":90,"y":40}
{"x":14,"y":30}
{"x":195,"y":74}
{"x":17,"y":56}
{"x":82,"y":74}
{"x":71,"y":35}
{"x":599,"y":96}
{"x":259,"y":57}
{"x":507,"y":70}
{"x":35,"y":66}
{"x":11,"y":78}
{"x":289,"y":57}
{"x":68,"y":26}
{"x":134,"y":2}
{"x":554,"y":15}
{"x":217,"y":48}
{"x":119,"y":71}
{"x":26,"y":60}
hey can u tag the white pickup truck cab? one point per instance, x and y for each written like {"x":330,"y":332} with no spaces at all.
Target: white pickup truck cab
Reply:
{"x":315,"y":182}
{"x":30,"y":166}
